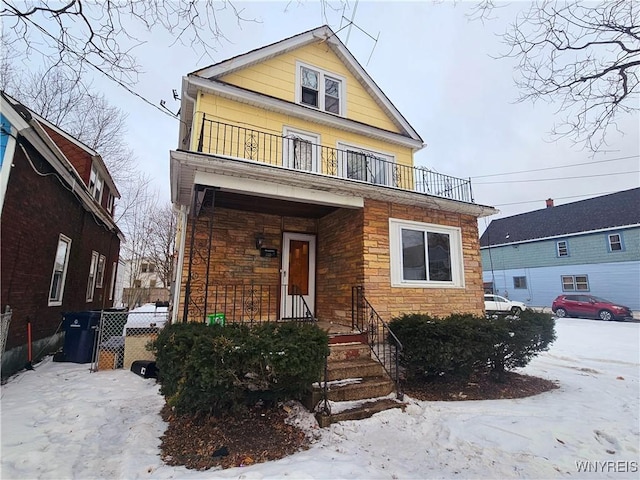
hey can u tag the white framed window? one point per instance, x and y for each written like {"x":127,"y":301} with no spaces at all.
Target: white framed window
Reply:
{"x":562,"y":248}
{"x":519,"y":282}
{"x":91,"y":282}
{"x":575,"y":283}
{"x":100,"y":273}
{"x":300,"y":149}
{"x":95,"y":184}
{"x":425,"y":255}
{"x":59,"y":275}
{"x":365,"y":165}
{"x":113,"y":280}
{"x":615,"y":242}
{"x":320,"y":89}
{"x":110,"y":200}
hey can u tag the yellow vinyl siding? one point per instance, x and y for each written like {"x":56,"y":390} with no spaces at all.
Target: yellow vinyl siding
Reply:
{"x":277,"y":77}
{"x":231,"y":112}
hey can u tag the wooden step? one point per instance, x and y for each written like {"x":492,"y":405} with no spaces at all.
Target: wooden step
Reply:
{"x":355,"y":368}
{"x":365,"y":410}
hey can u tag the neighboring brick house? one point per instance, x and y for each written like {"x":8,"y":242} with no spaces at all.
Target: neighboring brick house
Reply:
{"x":59,"y":242}
{"x":295,"y":180}
{"x":588,"y":246}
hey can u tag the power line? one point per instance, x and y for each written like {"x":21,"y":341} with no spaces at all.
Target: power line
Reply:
{"x":554,"y":168}
{"x":553,"y":179}
{"x":556,"y":198}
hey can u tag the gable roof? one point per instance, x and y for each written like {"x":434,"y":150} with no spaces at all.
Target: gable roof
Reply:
{"x":33,"y":129}
{"x":600,"y":213}
{"x":326,"y":35}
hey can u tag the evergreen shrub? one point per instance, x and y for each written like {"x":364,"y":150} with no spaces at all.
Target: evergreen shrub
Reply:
{"x":462,"y":344}
{"x":215,"y":369}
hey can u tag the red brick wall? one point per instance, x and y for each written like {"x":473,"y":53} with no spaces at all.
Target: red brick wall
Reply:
{"x":37,"y":209}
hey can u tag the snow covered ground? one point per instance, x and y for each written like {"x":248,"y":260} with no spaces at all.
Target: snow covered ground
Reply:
{"x":61,"y":421}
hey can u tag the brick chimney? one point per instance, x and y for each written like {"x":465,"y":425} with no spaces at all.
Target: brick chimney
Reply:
{"x":549,"y":202}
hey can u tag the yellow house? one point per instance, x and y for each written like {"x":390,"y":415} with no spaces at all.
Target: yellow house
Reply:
{"x":299,"y":198}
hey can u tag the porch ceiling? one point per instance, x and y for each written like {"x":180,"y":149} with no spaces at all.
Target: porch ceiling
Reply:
{"x":237,"y":201}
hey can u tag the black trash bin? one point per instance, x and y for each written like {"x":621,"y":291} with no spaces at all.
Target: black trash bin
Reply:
{"x":80,"y":330}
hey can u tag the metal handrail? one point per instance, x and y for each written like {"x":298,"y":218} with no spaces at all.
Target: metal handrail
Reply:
{"x":293,"y":152}
{"x":384,"y":344}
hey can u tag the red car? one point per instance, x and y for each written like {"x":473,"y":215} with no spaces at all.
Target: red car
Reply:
{"x":588,"y":306}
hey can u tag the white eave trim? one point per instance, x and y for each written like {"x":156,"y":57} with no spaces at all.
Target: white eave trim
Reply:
{"x":564,"y":235}
{"x":299,"y":111}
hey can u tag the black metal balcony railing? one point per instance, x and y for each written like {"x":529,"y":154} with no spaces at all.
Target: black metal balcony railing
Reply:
{"x":300,"y":154}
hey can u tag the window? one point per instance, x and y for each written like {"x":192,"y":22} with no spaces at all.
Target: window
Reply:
{"x":137,"y":284}
{"x":110,"y":200}
{"x":519,"y":282}
{"x":562,"y":248}
{"x":573,"y":283}
{"x":100,"y":273}
{"x":319,"y":89}
{"x":615,"y":242}
{"x":152,"y":284}
{"x":91,"y":282}
{"x":364,"y":165}
{"x":95,"y":184}
{"x":425,"y":255}
{"x":59,"y":275}
{"x":300,"y":150}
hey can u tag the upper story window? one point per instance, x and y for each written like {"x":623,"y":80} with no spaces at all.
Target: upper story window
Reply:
{"x":110,"y":200}
{"x":319,"y":89}
{"x":364,"y":165}
{"x":562,"y":247}
{"x":425,"y":255}
{"x":59,"y":271}
{"x":100,"y":273}
{"x":96,"y":184}
{"x":615,"y":242}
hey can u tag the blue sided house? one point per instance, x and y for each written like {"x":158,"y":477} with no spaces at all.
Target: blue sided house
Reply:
{"x":590,"y":246}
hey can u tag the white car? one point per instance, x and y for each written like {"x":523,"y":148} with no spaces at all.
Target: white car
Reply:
{"x":498,"y":304}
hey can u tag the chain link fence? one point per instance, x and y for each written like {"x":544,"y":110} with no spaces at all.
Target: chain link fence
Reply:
{"x":4,"y":329}
{"x":123,"y":338}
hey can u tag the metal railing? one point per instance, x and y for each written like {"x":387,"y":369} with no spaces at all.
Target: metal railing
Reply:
{"x":384,"y":345}
{"x":254,"y":303}
{"x":353,"y":164}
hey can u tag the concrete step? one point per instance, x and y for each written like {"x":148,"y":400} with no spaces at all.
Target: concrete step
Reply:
{"x":362,"y":389}
{"x":365,"y":410}
{"x":348,"y":351}
{"x":354,"y":368}
{"x":354,"y":337}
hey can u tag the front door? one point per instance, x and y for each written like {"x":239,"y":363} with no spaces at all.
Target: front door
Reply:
{"x":298,"y":274}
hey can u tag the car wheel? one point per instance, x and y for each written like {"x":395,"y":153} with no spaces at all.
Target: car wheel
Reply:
{"x":561,"y":312}
{"x":516,"y":310}
{"x":605,"y":315}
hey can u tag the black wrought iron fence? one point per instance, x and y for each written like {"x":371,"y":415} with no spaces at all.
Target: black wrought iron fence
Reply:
{"x":384,"y":345}
{"x":252,"y":303}
{"x":298,"y":153}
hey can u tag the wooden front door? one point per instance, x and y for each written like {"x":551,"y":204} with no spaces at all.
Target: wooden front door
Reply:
{"x":298,"y":273}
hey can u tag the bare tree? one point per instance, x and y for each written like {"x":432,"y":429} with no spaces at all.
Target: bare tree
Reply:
{"x":161,"y":251}
{"x":582,"y":55}
{"x":100,"y":34}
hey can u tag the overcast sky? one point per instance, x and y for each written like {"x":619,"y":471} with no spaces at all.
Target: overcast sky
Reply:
{"x":436,"y":66}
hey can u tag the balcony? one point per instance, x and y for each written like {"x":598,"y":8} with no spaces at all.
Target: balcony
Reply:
{"x":295,"y":152}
